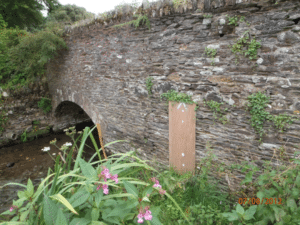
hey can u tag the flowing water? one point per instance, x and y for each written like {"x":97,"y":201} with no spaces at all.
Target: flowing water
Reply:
{"x":27,"y":160}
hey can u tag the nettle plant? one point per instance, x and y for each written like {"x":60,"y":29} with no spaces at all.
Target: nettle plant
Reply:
{"x":256,"y":107}
{"x":276,"y":197}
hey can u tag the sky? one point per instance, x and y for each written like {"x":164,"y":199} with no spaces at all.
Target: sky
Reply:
{"x":97,"y":6}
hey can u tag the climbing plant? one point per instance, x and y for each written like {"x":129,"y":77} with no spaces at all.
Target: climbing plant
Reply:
{"x":256,"y":107}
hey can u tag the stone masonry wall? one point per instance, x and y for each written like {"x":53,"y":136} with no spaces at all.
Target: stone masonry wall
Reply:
{"x":105,"y":71}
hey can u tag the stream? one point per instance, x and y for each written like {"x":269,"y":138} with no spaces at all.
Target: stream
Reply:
{"x":27,"y":160}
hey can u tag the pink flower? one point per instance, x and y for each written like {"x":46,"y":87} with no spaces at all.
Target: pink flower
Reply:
{"x":147,"y":215}
{"x":157,"y":185}
{"x":105,"y":191}
{"x":161,"y":191}
{"x":11,"y":209}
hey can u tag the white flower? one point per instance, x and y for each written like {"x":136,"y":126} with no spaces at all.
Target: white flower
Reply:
{"x":68,"y":144}
{"x":46,"y":149}
{"x":54,"y":154}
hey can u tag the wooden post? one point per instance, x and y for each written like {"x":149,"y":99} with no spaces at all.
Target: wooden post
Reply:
{"x":182,"y":136}
{"x":100,"y":137}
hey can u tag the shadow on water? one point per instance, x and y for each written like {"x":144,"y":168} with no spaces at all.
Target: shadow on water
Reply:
{"x":27,"y":160}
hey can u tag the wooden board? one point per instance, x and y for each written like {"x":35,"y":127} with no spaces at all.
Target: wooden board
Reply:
{"x":182,"y":136}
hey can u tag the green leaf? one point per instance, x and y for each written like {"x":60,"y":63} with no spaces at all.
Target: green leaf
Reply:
{"x":65,"y":202}
{"x":291,"y":204}
{"x":231,"y":216}
{"x":49,"y":211}
{"x":61,"y":218}
{"x":30,"y":188}
{"x":279,"y":213}
{"x":87,"y":169}
{"x":130,"y":188}
{"x":81,"y":221}
{"x":240,"y":210}
{"x":297,"y":181}
{"x":250,"y":212}
{"x":98,"y":198}
{"x":79,"y":198}
{"x":95,"y":214}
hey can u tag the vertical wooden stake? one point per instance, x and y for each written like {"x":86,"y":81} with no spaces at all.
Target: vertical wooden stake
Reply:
{"x":100,"y":137}
{"x":182,"y":136}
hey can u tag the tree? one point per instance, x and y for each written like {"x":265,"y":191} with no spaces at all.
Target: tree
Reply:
{"x":21,"y":13}
{"x":70,"y":14}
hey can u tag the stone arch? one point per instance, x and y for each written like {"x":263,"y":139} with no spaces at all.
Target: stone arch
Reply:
{"x":70,"y":104}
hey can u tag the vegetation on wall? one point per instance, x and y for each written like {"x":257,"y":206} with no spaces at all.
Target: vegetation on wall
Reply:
{"x":211,"y":52}
{"x":245,"y":47}
{"x":3,"y":117}
{"x":149,"y":85}
{"x":24,"y":52}
{"x":256,"y":107}
{"x":45,"y":105}
{"x":174,"y":96}
{"x":141,"y":19}
{"x":217,"y":113}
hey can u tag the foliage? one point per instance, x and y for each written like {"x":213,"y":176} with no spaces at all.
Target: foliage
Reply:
{"x":177,"y":3}
{"x":69,"y":14}
{"x":3,"y":117}
{"x":23,"y":53}
{"x":209,"y":215}
{"x":24,"y":137}
{"x":141,"y":18}
{"x":215,"y":107}
{"x":276,"y":196}
{"x":250,"y":47}
{"x":234,"y":20}
{"x":240,"y":214}
{"x":281,"y":120}
{"x":211,"y":52}
{"x":207,"y":16}
{"x":74,"y":194}
{"x":45,"y":105}
{"x":174,"y":96}
{"x":149,"y":85}
{"x":257,"y":104}
{"x":26,"y":53}
{"x":21,"y":12}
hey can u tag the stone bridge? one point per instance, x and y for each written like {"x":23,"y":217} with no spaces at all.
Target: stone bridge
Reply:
{"x":104,"y":72}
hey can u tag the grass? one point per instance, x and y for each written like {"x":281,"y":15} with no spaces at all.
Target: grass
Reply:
{"x":198,"y":196}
